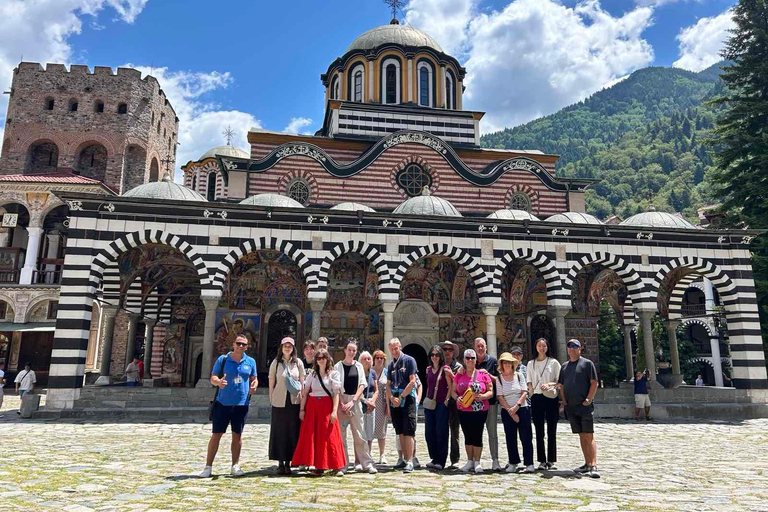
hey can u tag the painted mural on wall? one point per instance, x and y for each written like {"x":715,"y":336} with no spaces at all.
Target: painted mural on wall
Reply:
{"x":173,"y":352}
{"x":230,"y":325}
{"x":523,"y":291}
{"x":594,"y":283}
{"x":262,"y":278}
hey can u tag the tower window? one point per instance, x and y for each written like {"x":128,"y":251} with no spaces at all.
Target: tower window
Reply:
{"x":520,"y":201}
{"x":122,"y":108}
{"x":211,"y":192}
{"x":413,"y":179}
{"x":450,"y":93}
{"x":299,"y":191}
{"x":391,"y":83}
{"x":49,"y":103}
{"x":98,"y":107}
{"x":73,"y":105}
{"x":358,"y":86}
{"x":335,"y":88}
{"x":426,"y":98}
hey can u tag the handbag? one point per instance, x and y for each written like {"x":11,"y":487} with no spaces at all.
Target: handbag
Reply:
{"x":293,"y":385}
{"x":431,"y":403}
{"x":212,"y":404}
{"x":468,"y":398}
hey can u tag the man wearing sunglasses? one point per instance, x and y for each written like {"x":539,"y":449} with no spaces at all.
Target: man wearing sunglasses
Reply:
{"x":234,"y":374}
{"x":578,"y":385}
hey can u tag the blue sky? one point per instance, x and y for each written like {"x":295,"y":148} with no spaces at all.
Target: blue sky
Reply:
{"x":257,"y":63}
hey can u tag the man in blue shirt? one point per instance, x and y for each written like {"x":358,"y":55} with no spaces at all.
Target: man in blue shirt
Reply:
{"x":401,"y":394}
{"x":642,"y":399}
{"x":236,"y":384}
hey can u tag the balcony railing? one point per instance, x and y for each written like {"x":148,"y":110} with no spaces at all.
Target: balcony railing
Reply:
{"x":46,"y":277}
{"x":694,"y":310}
{"x":9,"y":276}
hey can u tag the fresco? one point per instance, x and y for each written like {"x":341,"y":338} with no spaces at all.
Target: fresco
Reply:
{"x":262,"y":278}
{"x":230,"y":325}
{"x":173,"y":351}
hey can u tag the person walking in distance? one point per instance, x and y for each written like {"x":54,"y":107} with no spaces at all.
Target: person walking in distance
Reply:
{"x":543,"y":372}
{"x":284,"y":422}
{"x":451,"y":353}
{"x":25,"y":380}
{"x":381,"y":412}
{"x":354,"y":382}
{"x":488,"y":363}
{"x":234,"y":374}
{"x":578,"y":385}
{"x":132,"y":372}
{"x":642,"y":399}
{"x":401,"y":395}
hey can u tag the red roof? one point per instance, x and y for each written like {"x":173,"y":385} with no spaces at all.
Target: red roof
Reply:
{"x":68,"y":178}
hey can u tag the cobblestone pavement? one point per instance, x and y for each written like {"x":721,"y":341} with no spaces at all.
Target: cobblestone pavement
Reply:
{"x":79,"y":467}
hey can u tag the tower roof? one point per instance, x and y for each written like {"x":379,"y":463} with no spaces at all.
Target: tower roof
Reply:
{"x":394,"y":33}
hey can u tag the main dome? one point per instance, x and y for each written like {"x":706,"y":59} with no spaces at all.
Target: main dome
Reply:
{"x":403,"y":35}
{"x":658,"y":220}
{"x":225,"y":151}
{"x":164,"y":189}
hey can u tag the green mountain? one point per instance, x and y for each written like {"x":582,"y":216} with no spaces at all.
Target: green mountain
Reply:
{"x":643,"y":138}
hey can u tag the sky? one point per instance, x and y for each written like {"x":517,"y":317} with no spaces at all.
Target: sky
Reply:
{"x":257,"y":64}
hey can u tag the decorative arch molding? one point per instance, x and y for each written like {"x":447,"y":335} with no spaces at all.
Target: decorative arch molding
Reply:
{"x":297,"y":174}
{"x":482,"y":283}
{"x":365,"y":250}
{"x":703,"y":360}
{"x":405,"y":162}
{"x":9,"y":299}
{"x":36,"y":302}
{"x":700,"y":268}
{"x":675,"y":306}
{"x":533,"y":196}
{"x":266,"y":243}
{"x":706,"y":326}
{"x":634,"y":283}
{"x":543,"y":264}
{"x":485,"y":177}
{"x":109,"y":255}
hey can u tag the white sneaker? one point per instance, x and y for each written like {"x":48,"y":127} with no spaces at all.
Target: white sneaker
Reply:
{"x":206,"y":473}
{"x":340,"y":473}
{"x":408,"y":468}
{"x":495,"y":466}
{"x":529,"y":469}
{"x":236,"y":471}
{"x":416,"y":463}
{"x":372,"y":470}
{"x":358,"y":468}
{"x":543,"y":466}
{"x":383,"y":460}
{"x":511,"y":468}
{"x":469,"y":466}
{"x":478,"y":467}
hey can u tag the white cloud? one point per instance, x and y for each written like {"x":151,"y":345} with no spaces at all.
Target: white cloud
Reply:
{"x":445,"y":20}
{"x":201,"y":121}
{"x":657,"y":3}
{"x":296,"y":125}
{"x":537,"y":56}
{"x":700,"y":44}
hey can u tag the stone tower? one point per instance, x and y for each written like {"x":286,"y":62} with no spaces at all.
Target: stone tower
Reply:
{"x":113,"y":127}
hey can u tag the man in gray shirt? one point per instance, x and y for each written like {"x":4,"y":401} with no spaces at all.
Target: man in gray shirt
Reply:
{"x":578,"y":385}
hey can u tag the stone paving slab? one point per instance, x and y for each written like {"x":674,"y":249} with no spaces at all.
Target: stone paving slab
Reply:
{"x":149,"y":467}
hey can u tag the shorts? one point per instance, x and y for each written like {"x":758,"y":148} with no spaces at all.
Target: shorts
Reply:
{"x":642,"y":401}
{"x":404,"y":417}
{"x":225,"y":415}
{"x":581,"y":418}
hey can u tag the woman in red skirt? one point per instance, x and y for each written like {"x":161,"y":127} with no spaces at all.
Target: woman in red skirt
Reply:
{"x":320,"y":437}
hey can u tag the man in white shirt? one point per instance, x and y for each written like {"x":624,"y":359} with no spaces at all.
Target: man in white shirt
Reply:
{"x":132,"y":372}
{"x":25,"y":381}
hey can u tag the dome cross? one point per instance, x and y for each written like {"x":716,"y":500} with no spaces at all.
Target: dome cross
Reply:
{"x":395,"y":5}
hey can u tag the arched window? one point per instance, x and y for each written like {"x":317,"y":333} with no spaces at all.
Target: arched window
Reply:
{"x":520,"y":201}
{"x":73,"y":105}
{"x":153,"y":118}
{"x":426,"y":81}
{"x":413,"y":179}
{"x":298,"y":190}
{"x":335,"y":88}
{"x":450,"y":92}
{"x":49,"y":103}
{"x":194,"y":182}
{"x":122,"y":108}
{"x":390,"y":82}
{"x":158,"y":127}
{"x":357,"y":84}
{"x":98,"y":107}
{"x":211,"y":192}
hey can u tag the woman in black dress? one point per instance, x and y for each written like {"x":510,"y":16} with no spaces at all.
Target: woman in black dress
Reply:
{"x":285,"y":423}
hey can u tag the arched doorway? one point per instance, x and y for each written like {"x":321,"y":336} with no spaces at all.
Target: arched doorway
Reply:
{"x":92,"y":162}
{"x":541,"y":327}
{"x":281,"y":323}
{"x":43,"y":156}
{"x":419,"y":353}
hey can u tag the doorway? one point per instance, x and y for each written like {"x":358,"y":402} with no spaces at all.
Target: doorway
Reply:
{"x":281,"y":323}
{"x":416,"y":351}
{"x":541,"y":327}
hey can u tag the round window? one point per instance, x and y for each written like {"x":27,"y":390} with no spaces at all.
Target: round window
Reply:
{"x":413,"y":179}
{"x":520,"y":201}
{"x":299,"y":191}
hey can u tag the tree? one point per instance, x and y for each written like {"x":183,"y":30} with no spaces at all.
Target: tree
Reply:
{"x":610,"y":343}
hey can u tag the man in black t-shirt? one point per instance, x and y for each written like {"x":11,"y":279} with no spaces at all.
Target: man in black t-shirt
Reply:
{"x":488,"y":363}
{"x":578,"y":385}
{"x":450,"y":349}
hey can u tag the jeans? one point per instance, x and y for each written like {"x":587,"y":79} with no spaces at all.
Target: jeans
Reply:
{"x":436,"y":433}
{"x":512,"y":428}
{"x":23,"y":392}
{"x":453,"y":421}
{"x":493,"y":433}
{"x":545,"y":410}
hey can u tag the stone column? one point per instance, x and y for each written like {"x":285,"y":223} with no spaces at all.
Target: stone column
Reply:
{"x":149,"y":338}
{"x":130,"y":344}
{"x":4,"y":238}
{"x":317,"y":310}
{"x":628,"y":353}
{"x":109,"y":313}
{"x":672,"y":326}
{"x":410,"y":91}
{"x":30,"y":260}
{"x":53,"y":251}
{"x":209,"y":335}
{"x":716,"y":363}
{"x":560,"y":349}
{"x":490,"y":313}
{"x":650,"y":356}
{"x":389,"y":325}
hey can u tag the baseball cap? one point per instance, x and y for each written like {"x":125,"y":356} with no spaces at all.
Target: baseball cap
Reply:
{"x":573,"y":342}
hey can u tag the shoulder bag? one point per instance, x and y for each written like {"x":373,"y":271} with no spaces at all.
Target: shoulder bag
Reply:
{"x":216,"y":394}
{"x":293,"y":385}
{"x":468,"y":398}
{"x":431,"y":403}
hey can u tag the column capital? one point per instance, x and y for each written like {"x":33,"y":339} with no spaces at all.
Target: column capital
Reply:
{"x":646,"y":313}
{"x":34,"y":230}
{"x":134,"y":317}
{"x":211,"y":303}
{"x":491,"y":310}
{"x":316,"y":305}
{"x":53,"y":235}
{"x":109,"y":309}
{"x":150,"y":321}
{"x":559,"y":311}
{"x":388,"y":306}
{"x":673,"y":324}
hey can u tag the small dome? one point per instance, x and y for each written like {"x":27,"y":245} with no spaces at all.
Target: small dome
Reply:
{"x":225,"y":151}
{"x":272,"y":200}
{"x":353,"y":207}
{"x":658,"y":220}
{"x":164,"y":189}
{"x":426,"y":204}
{"x":403,"y":35}
{"x":509,"y":214}
{"x":574,"y":218}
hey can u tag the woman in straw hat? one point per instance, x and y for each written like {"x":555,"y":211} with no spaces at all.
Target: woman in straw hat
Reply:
{"x":515,"y":415}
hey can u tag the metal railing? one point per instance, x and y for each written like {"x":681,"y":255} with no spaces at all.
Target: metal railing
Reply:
{"x":9,"y":276}
{"x":46,"y":276}
{"x":694,"y":310}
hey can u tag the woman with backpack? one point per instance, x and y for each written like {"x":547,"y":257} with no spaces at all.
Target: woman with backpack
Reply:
{"x":286,"y":380}
{"x":512,"y":391}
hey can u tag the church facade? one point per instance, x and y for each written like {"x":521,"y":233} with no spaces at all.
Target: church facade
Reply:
{"x":389,"y":221}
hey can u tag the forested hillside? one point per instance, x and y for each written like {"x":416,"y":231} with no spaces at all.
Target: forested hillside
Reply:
{"x":643,"y":138}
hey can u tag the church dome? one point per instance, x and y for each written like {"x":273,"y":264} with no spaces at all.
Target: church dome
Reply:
{"x":509,"y":214}
{"x":353,"y":207}
{"x":655,"y":219}
{"x":394,"y":33}
{"x":275,"y":200}
{"x":574,"y":218}
{"x":164,"y":189}
{"x":226,"y":150}
{"x":429,"y":205}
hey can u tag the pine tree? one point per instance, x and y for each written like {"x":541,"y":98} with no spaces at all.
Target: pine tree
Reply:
{"x":610,"y":343}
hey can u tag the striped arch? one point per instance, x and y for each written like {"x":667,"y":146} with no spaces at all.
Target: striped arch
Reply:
{"x":530,"y":192}
{"x":699,"y":268}
{"x":266,"y":243}
{"x":363,"y":249}
{"x":543,"y":264}
{"x":706,"y":326}
{"x":629,"y":312}
{"x":482,"y":283}
{"x":635,"y":285}
{"x":108,"y":256}
{"x":675,"y":306}
{"x":299,"y":174}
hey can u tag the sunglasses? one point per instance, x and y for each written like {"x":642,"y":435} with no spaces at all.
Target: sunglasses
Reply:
{"x":434,"y":355}
{"x":447,"y":349}
{"x":573,"y":346}
{"x":470,"y":358}
{"x":240,"y":344}
{"x":320,"y":358}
